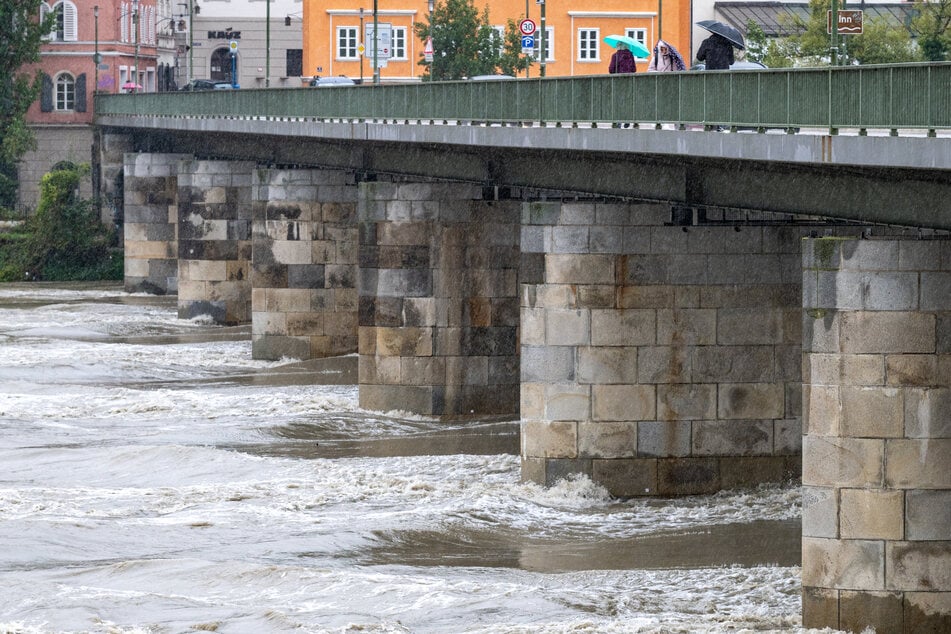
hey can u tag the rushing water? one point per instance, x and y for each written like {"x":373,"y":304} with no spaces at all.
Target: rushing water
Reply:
{"x":155,"y":478}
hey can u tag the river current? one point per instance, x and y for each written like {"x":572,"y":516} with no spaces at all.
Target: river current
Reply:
{"x":154,"y":478}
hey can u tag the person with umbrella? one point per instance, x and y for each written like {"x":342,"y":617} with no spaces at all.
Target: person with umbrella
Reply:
{"x":717,"y":50}
{"x":666,"y":58}
{"x":622,"y":61}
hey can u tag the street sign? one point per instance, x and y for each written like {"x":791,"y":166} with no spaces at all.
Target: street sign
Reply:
{"x":428,"y":50}
{"x":384,"y":39}
{"x":528,"y":44}
{"x":527,"y":26}
{"x":233,"y":46}
{"x":849,"y":22}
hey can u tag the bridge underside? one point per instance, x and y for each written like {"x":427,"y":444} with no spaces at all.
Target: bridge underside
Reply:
{"x":868,"y":194}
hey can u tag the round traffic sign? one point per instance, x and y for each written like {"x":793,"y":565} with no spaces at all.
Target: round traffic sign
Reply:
{"x":233,"y":45}
{"x":526,"y":26}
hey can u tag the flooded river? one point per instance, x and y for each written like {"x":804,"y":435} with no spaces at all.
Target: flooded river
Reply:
{"x":154,"y":478}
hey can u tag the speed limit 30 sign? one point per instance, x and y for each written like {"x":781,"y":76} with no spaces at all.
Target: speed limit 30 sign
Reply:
{"x":526,"y":26}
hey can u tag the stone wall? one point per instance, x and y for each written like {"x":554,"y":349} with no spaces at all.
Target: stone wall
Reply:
{"x":438,"y":300}
{"x":54,"y":144}
{"x":305,"y":250}
{"x":150,"y":224}
{"x":877,"y":449}
{"x":659,"y":359}
{"x":214,"y":240}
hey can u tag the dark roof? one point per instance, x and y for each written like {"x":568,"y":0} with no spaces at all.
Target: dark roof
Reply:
{"x":768,"y":14}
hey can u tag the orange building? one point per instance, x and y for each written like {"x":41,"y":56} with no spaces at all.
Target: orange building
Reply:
{"x":333,"y":39}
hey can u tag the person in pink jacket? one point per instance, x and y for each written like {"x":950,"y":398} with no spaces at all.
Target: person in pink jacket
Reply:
{"x":622,"y":61}
{"x":665,"y":58}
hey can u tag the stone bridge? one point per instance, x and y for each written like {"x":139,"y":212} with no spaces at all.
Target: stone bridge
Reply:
{"x":659,"y":345}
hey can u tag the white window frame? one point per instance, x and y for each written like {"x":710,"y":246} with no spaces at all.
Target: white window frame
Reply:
{"x":347,"y":43}
{"x":64,"y":97}
{"x":70,"y":21}
{"x":500,"y":30}
{"x":399,"y":43}
{"x":549,"y":44}
{"x":638,"y":34}
{"x":589,"y":37}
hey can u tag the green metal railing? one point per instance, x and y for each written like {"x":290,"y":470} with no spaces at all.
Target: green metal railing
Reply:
{"x":890,"y":96}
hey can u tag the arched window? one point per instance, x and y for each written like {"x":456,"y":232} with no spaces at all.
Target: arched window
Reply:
{"x":65,"y":29}
{"x":65,"y":92}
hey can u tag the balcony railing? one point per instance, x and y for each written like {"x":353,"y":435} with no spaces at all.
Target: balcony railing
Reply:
{"x":889,"y":96}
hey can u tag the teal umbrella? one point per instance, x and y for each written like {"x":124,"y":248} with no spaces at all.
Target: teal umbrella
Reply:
{"x":633,"y":45}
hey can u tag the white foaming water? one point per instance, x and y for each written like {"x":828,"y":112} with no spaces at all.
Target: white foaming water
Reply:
{"x":142,"y":491}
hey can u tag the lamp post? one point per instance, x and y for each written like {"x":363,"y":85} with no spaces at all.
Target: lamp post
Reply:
{"x":432,"y":64}
{"x":95,"y":57}
{"x":376,"y":38}
{"x":543,"y":43}
{"x":135,"y":25}
{"x":362,"y":37}
{"x":267,"y":46}
{"x":192,"y":9}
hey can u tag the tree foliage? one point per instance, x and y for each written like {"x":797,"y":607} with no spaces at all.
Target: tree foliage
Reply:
{"x":64,"y":239}
{"x":932,"y":24}
{"x":757,"y":45}
{"x":883,"y":41}
{"x":465,"y":44}
{"x":21,"y":34}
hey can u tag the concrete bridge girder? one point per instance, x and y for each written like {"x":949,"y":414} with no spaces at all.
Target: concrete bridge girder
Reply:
{"x":877,"y":194}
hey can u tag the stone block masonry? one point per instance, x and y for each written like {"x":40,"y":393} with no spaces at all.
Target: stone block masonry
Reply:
{"x":150,"y":228}
{"x":439,"y":275}
{"x":877,"y":435}
{"x":305,"y":258}
{"x":659,"y":359}
{"x":214,"y":240}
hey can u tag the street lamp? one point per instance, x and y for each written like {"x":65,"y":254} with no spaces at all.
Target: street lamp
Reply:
{"x":96,"y":58}
{"x":363,"y":37}
{"x":135,"y":25}
{"x":432,"y":64}
{"x":267,"y":45}
{"x":376,"y":38}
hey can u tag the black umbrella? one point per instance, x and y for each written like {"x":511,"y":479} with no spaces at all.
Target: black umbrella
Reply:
{"x":723,"y":30}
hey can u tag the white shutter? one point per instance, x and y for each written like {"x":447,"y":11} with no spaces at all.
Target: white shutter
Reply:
{"x":124,"y":22}
{"x":70,"y":28}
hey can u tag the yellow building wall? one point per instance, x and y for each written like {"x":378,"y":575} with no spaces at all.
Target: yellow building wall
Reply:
{"x":322,"y":19}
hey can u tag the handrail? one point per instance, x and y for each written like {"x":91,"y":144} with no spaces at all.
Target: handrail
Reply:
{"x":884,"y":96}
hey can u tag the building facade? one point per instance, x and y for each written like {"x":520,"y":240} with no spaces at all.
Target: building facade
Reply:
{"x":335,"y":41}
{"x":113,"y":46}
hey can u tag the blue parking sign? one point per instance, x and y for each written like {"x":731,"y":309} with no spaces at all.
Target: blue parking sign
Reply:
{"x":528,"y":43}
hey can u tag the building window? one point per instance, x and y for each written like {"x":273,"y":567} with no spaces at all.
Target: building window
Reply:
{"x":65,"y":92}
{"x":638,"y":34}
{"x":64,"y":29}
{"x":500,"y":35}
{"x":588,"y":45}
{"x":549,"y":44}
{"x":347,"y":42}
{"x":295,"y":62}
{"x":399,"y":43}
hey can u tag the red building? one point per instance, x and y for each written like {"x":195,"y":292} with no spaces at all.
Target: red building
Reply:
{"x":124,"y":36}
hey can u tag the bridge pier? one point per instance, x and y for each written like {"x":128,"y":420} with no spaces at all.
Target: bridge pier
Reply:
{"x":214,"y":240}
{"x":877,"y":446}
{"x":439,"y":269}
{"x":305,"y":257}
{"x":150,"y":227}
{"x":659,"y":359}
